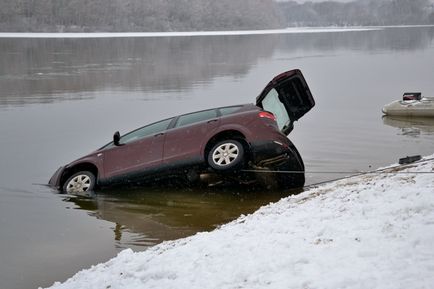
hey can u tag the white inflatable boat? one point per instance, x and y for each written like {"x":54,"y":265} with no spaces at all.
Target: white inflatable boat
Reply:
{"x":412,"y":104}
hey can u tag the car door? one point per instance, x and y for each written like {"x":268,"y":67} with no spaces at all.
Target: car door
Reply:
{"x":288,"y":97}
{"x":139,"y":150}
{"x":183,"y":142}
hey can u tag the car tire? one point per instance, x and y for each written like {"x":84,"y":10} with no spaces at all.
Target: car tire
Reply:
{"x":80,"y":182}
{"x":226,"y":155}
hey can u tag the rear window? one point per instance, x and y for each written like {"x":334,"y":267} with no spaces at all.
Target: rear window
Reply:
{"x":229,"y":110}
{"x":272,"y":103}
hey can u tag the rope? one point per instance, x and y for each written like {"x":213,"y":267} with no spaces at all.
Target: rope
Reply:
{"x":380,"y":171}
{"x":334,"y":172}
{"x":354,"y":173}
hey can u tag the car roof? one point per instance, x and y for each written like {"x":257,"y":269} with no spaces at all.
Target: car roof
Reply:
{"x":174,"y":118}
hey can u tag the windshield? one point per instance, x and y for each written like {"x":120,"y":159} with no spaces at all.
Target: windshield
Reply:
{"x":142,"y":132}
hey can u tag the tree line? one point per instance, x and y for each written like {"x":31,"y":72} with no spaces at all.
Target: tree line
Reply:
{"x":136,"y":15}
{"x":197,"y":15}
{"x":357,"y":13}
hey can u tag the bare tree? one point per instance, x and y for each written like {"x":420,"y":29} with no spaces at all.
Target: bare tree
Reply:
{"x":136,"y":15}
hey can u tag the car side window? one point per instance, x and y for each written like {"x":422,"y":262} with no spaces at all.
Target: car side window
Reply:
{"x":196,"y":117}
{"x":273,"y":104}
{"x":229,"y":109}
{"x":146,"y":131}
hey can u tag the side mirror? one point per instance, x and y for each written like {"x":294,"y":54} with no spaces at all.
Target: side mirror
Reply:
{"x":116,"y":138}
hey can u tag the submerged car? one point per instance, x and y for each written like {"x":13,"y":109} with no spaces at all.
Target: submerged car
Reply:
{"x":224,"y":141}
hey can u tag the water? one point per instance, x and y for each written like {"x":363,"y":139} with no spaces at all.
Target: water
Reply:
{"x":61,"y":98}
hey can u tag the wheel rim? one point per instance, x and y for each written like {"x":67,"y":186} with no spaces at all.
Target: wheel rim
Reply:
{"x":77,"y":184}
{"x":225,"y":154}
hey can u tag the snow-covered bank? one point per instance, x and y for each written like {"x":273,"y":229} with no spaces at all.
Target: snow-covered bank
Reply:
{"x":291,"y":30}
{"x":189,"y":33}
{"x":369,"y":231}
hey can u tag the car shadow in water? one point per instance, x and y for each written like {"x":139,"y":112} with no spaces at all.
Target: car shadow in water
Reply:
{"x":143,"y":217}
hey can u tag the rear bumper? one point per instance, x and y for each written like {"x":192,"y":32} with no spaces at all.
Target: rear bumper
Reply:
{"x":276,"y":154}
{"x":268,"y":149}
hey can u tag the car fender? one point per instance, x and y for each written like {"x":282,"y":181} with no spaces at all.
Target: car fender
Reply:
{"x":227,"y":127}
{"x":94,"y":160}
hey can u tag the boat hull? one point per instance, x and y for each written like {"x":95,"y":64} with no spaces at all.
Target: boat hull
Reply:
{"x":411,"y":108}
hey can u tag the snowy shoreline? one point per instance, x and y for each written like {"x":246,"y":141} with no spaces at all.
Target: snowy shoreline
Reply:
{"x":290,"y":30}
{"x":182,"y":34}
{"x":367,"y":231}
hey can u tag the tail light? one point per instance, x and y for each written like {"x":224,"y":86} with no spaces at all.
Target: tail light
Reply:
{"x":267,"y":114}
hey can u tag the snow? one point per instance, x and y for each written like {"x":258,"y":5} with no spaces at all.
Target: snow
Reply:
{"x":290,"y":30}
{"x":367,"y":231}
{"x":189,"y":33}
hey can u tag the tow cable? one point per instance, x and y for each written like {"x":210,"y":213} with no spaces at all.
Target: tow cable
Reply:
{"x":402,"y":163}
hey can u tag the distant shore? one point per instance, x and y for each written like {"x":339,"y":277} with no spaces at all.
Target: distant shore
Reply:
{"x":181,"y":34}
{"x":290,"y":30}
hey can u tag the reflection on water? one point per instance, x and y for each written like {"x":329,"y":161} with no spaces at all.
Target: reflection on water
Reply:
{"x":145,"y":217}
{"x":389,"y":39}
{"x":40,"y":70}
{"x":47,"y":70}
{"x":411,"y":126}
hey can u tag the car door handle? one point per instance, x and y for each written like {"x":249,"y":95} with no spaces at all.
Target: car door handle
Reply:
{"x":212,"y":120}
{"x":158,"y":134}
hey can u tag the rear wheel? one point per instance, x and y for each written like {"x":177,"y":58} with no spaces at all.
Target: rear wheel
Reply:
{"x":83,"y":181}
{"x":226,"y":155}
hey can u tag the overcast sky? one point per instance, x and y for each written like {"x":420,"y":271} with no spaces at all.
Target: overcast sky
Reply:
{"x":302,"y":1}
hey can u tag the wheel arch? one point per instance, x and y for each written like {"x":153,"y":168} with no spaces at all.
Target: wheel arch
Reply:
{"x":227,"y":134}
{"x":85,"y":166}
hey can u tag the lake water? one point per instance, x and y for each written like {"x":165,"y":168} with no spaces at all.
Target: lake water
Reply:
{"x":62,"y":98}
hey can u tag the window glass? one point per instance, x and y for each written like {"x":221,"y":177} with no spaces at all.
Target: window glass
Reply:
{"x":229,"y":110}
{"x":146,"y":131}
{"x":196,"y":117}
{"x":272,"y":104}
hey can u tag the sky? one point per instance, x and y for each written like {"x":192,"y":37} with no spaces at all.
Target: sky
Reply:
{"x":302,"y":1}
{"x":343,"y":1}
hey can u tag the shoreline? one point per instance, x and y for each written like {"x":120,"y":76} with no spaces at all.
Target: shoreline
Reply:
{"x":289,"y":30}
{"x":177,"y":34}
{"x":366,"y":231}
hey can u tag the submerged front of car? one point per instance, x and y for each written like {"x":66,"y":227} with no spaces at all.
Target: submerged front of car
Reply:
{"x":79,"y":175}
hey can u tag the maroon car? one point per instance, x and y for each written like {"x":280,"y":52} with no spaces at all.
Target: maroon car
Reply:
{"x":224,"y":140}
